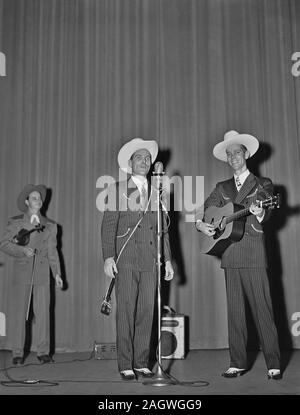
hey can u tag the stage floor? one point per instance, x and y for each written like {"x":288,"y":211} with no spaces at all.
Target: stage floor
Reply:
{"x":82,"y":374}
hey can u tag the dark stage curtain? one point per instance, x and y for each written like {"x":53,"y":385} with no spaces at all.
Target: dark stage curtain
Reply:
{"x":84,"y":76}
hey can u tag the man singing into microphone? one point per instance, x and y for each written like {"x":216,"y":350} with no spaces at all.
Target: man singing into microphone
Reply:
{"x":129,"y":250}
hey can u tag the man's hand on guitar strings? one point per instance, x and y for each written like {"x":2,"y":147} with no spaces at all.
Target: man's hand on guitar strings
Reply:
{"x":206,"y":228}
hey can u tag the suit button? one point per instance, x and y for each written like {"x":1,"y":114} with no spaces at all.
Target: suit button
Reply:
{"x":150,"y":242}
{"x":151,"y":227}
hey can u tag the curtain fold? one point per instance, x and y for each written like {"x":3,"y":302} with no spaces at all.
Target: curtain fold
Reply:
{"x":85,"y":76}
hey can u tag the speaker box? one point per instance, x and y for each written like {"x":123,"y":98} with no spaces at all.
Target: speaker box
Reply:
{"x":173,"y":336}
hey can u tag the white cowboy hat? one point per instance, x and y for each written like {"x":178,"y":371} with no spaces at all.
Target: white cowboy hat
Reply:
{"x":131,"y":147}
{"x":233,"y":137}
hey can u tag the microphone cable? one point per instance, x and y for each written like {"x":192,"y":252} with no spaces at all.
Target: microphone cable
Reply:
{"x":12,"y":382}
{"x":195,"y":383}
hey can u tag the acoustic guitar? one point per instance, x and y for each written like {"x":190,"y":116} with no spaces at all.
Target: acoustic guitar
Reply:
{"x":229,"y":225}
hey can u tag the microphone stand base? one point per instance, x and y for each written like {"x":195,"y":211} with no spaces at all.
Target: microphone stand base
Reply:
{"x":159,"y":380}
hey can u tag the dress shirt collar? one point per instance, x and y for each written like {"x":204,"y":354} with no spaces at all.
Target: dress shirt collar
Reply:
{"x":140,"y":181}
{"x":34,"y":218}
{"x":242,"y":177}
{"x":31,"y":218}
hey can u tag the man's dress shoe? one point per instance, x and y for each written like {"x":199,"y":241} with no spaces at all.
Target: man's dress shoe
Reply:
{"x":144,"y":372}
{"x":18,"y":360}
{"x":274,"y":374}
{"x":127,"y":374}
{"x":233,"y":372}
{"x":45,"y":358}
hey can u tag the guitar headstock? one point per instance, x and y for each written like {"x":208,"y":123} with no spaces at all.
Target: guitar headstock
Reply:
{"x":271,"y":202}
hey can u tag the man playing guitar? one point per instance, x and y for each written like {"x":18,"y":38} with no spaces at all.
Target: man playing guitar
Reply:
{"x":244,"y":261}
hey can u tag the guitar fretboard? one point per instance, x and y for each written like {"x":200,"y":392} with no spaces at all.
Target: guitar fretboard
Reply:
{"x":267,"y":203}
{"x":237,"y":215}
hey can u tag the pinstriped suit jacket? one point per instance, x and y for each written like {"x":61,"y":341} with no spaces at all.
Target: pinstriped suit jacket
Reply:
{"x":118,"y":222}
{"x":250,"y":251}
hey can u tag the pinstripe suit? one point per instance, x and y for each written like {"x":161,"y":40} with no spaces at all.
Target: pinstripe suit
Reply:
{"x":245,"y":266}
{"x":136,"y":280}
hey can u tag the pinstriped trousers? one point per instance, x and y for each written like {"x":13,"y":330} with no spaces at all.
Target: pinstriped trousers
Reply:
{"x":252,"y":283}
{"x":135,"y":298}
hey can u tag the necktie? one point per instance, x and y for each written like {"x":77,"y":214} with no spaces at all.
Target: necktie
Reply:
{"x":34,"y":219}
{"x":143,"y":197}
{"x":238,"y":183}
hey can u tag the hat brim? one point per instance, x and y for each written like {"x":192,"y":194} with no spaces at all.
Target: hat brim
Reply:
{"x":29,"y":188}
{"x":131,"y":147}
{"x":249,"y":141}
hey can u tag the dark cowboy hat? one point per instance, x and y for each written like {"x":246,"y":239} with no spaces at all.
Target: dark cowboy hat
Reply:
{"x":29,"y":188}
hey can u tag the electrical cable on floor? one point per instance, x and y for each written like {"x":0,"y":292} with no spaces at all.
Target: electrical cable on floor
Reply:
{"x":18,"y":383}
{"x":12,"y":382}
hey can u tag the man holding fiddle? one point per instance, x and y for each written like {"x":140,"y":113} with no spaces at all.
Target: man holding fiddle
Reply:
{"x":30,"y":239}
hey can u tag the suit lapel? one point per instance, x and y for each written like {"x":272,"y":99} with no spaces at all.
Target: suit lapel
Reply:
{"x":131,"y":188}
{"x":230,"y":189}
{"x":247,"y":187}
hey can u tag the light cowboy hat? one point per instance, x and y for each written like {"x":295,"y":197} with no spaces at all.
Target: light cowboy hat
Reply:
{"x":29,"y":188}
{"x":233,"y":137}
{"x":131,"y":147}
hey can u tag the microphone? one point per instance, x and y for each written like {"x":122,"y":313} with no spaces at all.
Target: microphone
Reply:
{"x":158,"y":169}
{"x":157,"y":175}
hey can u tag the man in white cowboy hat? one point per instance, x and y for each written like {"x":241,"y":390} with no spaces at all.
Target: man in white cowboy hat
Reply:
{"x":129,"y":251}
{"x":245,"y":260}
{"x":30,"y":239}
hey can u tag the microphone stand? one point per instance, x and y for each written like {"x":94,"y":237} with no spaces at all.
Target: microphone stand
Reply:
{"x":160,"y":378}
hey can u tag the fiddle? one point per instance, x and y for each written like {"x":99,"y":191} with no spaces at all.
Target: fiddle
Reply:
{"x":23,"y":236}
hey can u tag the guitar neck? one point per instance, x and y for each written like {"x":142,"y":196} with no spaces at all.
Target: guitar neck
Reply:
{"x":238,"y":215}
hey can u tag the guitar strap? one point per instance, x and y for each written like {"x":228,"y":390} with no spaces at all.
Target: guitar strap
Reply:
{"x":246,"y":189}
